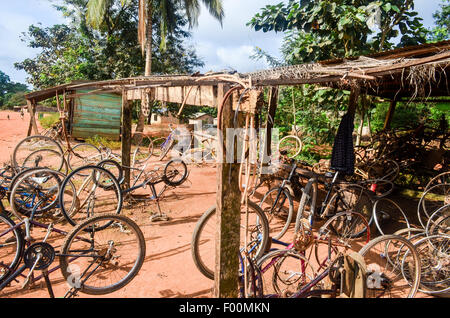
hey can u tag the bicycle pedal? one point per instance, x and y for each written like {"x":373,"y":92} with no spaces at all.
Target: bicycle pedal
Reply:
{"x":159,"y":218}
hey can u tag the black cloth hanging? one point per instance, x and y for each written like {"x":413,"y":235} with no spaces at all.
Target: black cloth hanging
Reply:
{"x":343,"y":155}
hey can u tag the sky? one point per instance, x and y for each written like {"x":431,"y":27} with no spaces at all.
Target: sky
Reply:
{"x":221,"y":48}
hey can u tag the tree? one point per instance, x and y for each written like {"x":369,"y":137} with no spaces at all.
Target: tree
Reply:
{"x":335,"y":29}
{"x":441,"y":31}
{"x":78,"y":52}
{"x":9,"y":90}
{"x":322,"y":29}
{"x":147,"y":10}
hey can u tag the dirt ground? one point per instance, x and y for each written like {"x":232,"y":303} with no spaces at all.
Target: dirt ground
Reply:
{"x":168,"y":270}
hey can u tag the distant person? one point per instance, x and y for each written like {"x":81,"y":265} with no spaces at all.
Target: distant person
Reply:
{"x":8,"y":116}
{"x":21,"y":113}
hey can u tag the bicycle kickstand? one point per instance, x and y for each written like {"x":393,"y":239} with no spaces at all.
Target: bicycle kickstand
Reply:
{"x":159,"y":217}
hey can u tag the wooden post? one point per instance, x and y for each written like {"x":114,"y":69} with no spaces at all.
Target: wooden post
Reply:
{"x":33,"y":125}
{"x":126,"y":138}
{"x":353,"y":100}
{"x":227,"y":210}
{"x":390,"y":114}
{"x":271,"y":112}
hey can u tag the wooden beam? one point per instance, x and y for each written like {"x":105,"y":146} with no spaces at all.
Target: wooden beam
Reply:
{"x":271,"y":112}
{"x":228,"y":205}
{"x":389,"y":115}
{"x":353,"y":99}
{"x":126,"y":138}
{"x":32,"y":111}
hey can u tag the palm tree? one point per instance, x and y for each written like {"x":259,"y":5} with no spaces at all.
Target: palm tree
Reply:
{"x":96,"y":12}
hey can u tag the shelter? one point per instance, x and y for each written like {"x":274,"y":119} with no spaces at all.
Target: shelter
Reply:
{"x":418,"y":72}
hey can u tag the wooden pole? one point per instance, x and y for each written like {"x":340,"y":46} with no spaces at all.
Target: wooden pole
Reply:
{"x":272,"y":109}
{"x":390,"y":114}
{"x":33,"y":125}
{"x":126,"y":137}
{"x":353,"y":100}
{"x":227,"y":210}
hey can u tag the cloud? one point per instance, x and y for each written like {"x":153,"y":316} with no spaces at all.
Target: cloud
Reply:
{"x":232,"y":45}
{"x":15,"y":18}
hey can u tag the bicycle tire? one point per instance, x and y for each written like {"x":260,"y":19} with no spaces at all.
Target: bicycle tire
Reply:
{"x":296,"y":273}
{"x":168,"y":176}
{"x":351,"y":198}
{"x":53,"y":144}
{"x":200,"y":227}
{"x":80,"y":234}
{"x":118,"y":171}
{"x":9,"y":267}
{"x":416,"y":264}
{"x":397,"y":208}
{"x":20,"y":211}
{"x":91,"y":160}
{"x":298,"y":145}
{"x":285,"y":218}
{"x":143,"y":152}
{"x":115,"y":189}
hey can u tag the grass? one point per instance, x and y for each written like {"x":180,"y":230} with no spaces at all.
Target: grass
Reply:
{"x":49,"y":120}
{"x":102,"y":141}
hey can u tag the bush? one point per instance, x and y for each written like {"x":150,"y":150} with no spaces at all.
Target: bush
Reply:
{"x":49,"y":120}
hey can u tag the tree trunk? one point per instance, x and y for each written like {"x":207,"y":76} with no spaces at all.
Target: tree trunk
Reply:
{"x":148,"y":64}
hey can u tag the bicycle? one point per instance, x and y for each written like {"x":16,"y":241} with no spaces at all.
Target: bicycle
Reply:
{"x":90,"y":254}
{"x":203,"y":237}
{"x":288,"y":273}
{"x":174,"y":174}
{"x":274,"y":201}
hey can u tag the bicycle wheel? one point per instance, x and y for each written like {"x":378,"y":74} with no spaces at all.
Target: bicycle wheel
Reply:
{"x":175,"y":173}
{"x":82,"y":186}
{"x":351,"y":198}
{"x":384,"y":170}
{"x":115,"y":168}
{"x":292,"y":145}
{"x":11,"y":246}
{"x":99,"y":262}
{"x":278,"y":207}
{"x":83,"y":154}
{"x":38,"y":151}
{"x":439,"y":179}
{"x":434,"y":253}
{"x":439,"y":222}
{"x":307,"y":205}
{"x":385,"y":278}
{"x":143,"y":151}
{"x":203,"y":238}
{"x":380,"y":188}
{"x":345,"y":231}
{"x":33,"y":186}
{"x":389,"y":216}
{"x":284,"y":272}
{"x":431,"y":200}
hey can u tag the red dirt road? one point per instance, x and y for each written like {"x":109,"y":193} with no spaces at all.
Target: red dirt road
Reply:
{"x":168,"y":270}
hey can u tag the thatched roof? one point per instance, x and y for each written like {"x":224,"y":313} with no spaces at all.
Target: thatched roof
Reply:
{"x":418,"y":71}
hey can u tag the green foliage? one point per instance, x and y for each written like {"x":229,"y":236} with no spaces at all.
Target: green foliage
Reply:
{"x":441,"y":31}
{"x":321,"y":29}
{"x":11,"y":93}
{"x":410,"y":115}
{"x":49,"y":120}
{"x":14,"y":99}
{"x":99,"y":141}
{"x":78,"y":52}
{"x":332,"y":29}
